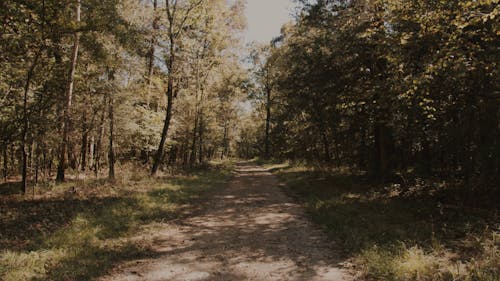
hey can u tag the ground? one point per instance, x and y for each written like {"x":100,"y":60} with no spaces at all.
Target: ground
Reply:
{"x":239,"y":223}
{"x":250,"y":230}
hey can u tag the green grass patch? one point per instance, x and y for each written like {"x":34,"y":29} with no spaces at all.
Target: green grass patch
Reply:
{"x":83,"y":237}
{"x":393,"y":233}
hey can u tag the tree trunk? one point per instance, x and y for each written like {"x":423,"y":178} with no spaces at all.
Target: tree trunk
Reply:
{"x":24,"y":168}
{"x":72,"y":157}
{"x":97,"y":150}
{"x":49,"y":165}
{"x":44,"y":166}
{"x":381,"y":159}
{"x":111,"y":152}
{"x":168,"y":116}
{"x":36,"y":153}
{"x":200,"y":120}
{"x":69,"y":97}
{"x":200,"y":133}
{"x":91,"y":151}
{"x":5,"y":164}
{"x":31,"y":155}
{"x":192,"y":158}
{"x":152,"y":50}
{"x":268,"y":123}
{"x":83,"y":152}
{"x":166,"y":125}
{"x":174,"y":29}
{"x":337,"y":145}
{"x":362,"y":148}
{"x":225,"y":146}
{"x":324,"y":139}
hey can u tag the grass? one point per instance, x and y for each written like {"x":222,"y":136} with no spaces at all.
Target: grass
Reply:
{"x":391,"y":233}
{"x":82,"y":236}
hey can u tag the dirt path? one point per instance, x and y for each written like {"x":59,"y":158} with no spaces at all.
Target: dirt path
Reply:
{"x":248,"y":231}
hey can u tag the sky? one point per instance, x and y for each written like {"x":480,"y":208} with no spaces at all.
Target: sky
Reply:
{"x":265,"y":18}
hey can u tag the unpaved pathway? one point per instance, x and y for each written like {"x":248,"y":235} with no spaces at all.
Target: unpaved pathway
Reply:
{"x":248,"y":231}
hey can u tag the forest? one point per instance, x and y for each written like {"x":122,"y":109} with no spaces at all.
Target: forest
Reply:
{"x":145,"y":134}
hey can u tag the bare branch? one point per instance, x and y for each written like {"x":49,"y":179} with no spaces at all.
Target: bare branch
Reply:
{"x":186,"y":15}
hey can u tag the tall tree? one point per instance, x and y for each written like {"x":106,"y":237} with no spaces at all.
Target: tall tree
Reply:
{"x":177,"y":15}
{"x":24,"y":140}
{"x":261,"y":60}
{"x":66,"y":126}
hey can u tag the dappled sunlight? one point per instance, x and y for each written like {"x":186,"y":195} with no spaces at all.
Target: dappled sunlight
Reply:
{"x":221,"y":140}
{"x":14,"y":263}
{"x":375,"y":221}
{"x":251,"y":229}
{"x":83,"y":237}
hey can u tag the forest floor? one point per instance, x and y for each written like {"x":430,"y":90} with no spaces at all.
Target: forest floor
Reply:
{"x":249,"y":222}
{"x":83,"y":228}
{"x":420,"y":231}
{"x":218,"y":223}
{"x":250,"y":230}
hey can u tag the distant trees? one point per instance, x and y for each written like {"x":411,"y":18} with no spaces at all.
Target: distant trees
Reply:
{"x":390,"y":86}
{"x":197,"y":33}
{"x":261,"y":60}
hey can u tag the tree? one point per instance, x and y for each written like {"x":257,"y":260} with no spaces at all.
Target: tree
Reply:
{"x":69,"y":97}
{"x":177,"y":15}
{"x":262,"y":62}
{"x":406,"y":87}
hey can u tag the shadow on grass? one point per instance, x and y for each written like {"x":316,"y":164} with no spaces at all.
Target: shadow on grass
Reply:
{"x":10,"y":188}
{"x":91,"y":233}
{"x":247,"y":228}
{"x":93,"y":262}
{"x":360,"y":214}
{"x":14,"y":188}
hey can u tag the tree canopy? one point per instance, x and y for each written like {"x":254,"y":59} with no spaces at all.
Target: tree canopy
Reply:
{"x":389,"y":86}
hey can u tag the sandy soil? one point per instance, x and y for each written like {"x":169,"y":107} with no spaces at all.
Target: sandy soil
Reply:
{"x":248,"y":231}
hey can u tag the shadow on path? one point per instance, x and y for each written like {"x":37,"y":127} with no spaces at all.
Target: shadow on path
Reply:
{"x":248,"y":231}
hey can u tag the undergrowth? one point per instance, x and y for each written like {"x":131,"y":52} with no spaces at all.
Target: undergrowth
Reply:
{"x":391,"y":233}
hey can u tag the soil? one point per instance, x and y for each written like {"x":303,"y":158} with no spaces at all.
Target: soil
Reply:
{"x":250,"y":230}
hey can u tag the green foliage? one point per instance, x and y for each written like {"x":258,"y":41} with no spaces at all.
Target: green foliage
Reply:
{"x":116,"y":37}
{"x":389,"y":86}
